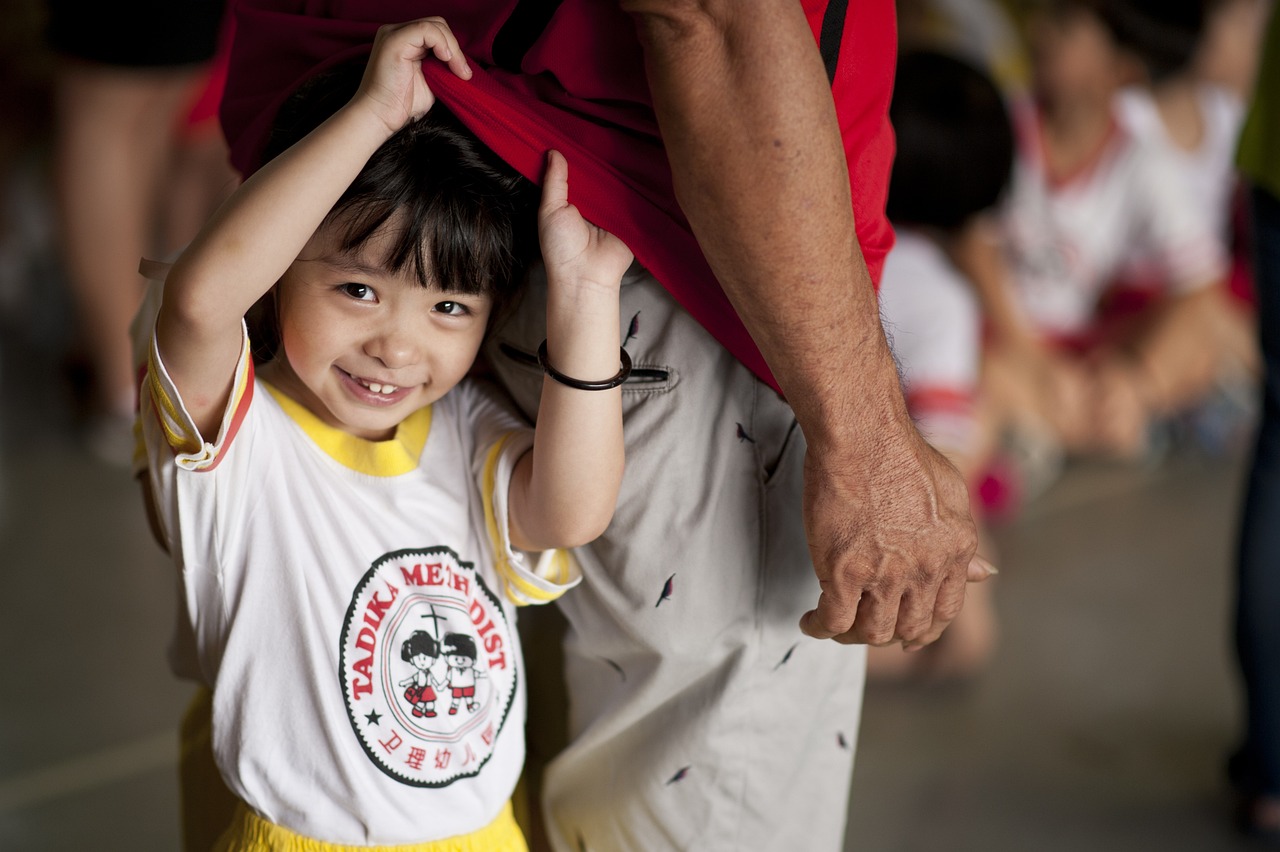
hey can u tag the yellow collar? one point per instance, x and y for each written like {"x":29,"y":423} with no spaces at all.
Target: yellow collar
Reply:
{"x":395,"y":456}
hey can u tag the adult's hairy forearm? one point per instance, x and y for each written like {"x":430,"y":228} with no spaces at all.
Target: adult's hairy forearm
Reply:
{"x":750,"y":129}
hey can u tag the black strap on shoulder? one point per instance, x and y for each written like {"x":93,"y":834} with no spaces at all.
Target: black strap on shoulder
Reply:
{"x":832,"y":34}
{"x":528,"y":19}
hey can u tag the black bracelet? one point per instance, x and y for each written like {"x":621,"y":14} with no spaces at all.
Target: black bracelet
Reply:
{"x":579,"y":384}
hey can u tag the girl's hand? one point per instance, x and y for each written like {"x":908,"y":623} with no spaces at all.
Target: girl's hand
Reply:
{"x":393,"y":86}
{"x":574,"y":250}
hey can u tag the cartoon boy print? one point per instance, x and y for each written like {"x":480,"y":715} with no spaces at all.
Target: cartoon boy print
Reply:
{"x":460,"y":653}
{"x":420,"y":650}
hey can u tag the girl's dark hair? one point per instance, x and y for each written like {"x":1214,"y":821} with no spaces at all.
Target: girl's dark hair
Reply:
{"x":468,"y":217}
{"x":1163,"y":34}
{"x":419,"y":642}
{"x":954,"y":140}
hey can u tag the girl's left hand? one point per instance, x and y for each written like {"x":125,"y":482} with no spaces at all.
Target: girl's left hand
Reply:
{"x":573,"y":249}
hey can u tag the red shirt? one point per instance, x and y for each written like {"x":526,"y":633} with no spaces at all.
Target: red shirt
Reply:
{"x":570,"y":76}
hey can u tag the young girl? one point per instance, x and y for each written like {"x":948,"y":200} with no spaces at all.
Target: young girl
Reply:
{"x":355,"y":490}
{"x":1086,"y":193}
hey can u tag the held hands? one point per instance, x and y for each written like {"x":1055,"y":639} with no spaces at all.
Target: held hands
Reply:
{"x":393,"y":87}
{"x":892,"y":542}
{"x":575,"y":251}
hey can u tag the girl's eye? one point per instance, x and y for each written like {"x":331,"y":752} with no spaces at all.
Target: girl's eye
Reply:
{"x":363,"y":292}
{"x":453,"y":309}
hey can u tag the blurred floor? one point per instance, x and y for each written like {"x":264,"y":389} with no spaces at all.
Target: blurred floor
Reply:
{"x":1101,"y":725}
{"x":1104,"y":721}
{"x":87,"y":707}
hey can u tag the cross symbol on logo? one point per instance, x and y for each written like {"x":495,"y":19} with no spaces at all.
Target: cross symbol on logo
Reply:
{"x":435,"y":620}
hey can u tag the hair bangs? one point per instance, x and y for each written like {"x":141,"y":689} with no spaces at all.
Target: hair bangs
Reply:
{"x":453,"y":221}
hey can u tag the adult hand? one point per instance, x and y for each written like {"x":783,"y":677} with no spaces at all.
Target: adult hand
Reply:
{"x":892,"y":541}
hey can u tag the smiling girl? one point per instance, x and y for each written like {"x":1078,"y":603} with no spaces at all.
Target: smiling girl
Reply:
{"x":324,"y":505}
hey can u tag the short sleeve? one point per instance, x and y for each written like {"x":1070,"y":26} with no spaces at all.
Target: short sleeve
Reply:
{"x":141,"y":330}
{"x":502,"y":439}
{"x":933,"y":324}
{"x":192,"y":451}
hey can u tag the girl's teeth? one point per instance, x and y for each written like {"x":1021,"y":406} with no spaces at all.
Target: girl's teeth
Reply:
{"x":377,"y":388}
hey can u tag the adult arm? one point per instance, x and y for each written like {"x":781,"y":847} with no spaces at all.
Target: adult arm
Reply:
{"x":750,"y":129}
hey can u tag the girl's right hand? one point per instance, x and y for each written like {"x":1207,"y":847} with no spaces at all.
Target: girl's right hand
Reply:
{"x":393,"y":87}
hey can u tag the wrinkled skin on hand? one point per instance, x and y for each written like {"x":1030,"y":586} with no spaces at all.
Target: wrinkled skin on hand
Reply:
{"x":892,"y":541}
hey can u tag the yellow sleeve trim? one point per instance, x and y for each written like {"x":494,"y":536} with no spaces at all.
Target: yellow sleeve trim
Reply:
{"x":194,"y":451}
{"x":177,"y":432}
{"x":519,"y":589}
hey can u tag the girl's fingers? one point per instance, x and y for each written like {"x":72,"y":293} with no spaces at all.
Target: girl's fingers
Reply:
{"x":431,"y":36}
{"x":555,"y":183}
{"x":443,"y":44}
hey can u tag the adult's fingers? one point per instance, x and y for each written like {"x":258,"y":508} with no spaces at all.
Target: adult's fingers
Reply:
{"x":833,"y":616}
{"x":980,"y":570}
{"x":915,"y":622}
{"x":876,"y":619}
{"x":946,"y":607}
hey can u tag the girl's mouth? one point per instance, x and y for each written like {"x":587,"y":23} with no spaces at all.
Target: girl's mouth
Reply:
{"x":371,"y":392}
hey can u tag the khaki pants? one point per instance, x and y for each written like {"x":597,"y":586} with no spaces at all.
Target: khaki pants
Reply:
{"x":699,"y":716}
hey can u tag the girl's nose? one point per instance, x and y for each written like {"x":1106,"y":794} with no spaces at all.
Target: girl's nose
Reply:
{"x":395,"y":346}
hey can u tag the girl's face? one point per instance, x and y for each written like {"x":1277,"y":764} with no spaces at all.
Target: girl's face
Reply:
{"x":420,"y":661}
{"x":363,"y":348}
{"x":1074,"y":57}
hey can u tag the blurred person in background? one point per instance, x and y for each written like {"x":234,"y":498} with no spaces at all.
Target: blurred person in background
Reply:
{"x":982,"y":32}
{"x":1200,"y":70}
{"x":126,"y":80}
{"x":1057,"y":377}
{"x":954,"y":159}
{"x":1255,"y":766}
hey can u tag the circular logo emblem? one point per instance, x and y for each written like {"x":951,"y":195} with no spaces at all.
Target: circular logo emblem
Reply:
{"x":428,"y":666}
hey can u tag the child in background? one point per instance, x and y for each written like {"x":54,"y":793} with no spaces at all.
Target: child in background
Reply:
{"x":356,"y":490}
{"x":1085,"y":193}
{"x":954,"y":157}
{"x":1200,"y":69}
{"x":1197,"y":120}
{"x":982,"y":32}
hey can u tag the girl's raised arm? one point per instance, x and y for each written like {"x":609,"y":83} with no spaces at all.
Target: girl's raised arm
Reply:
{"x":563,"y":492}
{"x":254,"y":237}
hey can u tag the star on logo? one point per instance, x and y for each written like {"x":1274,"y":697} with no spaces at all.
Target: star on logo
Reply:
{"x":373,"y":717}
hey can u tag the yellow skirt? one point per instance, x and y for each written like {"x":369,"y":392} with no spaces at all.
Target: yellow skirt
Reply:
{"x":251,"y":833}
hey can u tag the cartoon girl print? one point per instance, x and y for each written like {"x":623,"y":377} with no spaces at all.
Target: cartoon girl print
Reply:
{"x":421,"y":650}
{"x":460,"y":653}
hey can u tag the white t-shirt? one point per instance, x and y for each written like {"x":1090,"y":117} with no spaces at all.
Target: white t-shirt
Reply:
{"x":1210,"y":169}
{"x":1067,"y":239}
{"x":933,"y":323}
{"x":311,"y":563}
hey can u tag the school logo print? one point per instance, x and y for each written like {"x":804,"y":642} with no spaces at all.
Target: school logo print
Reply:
{"x":428,"y":668}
